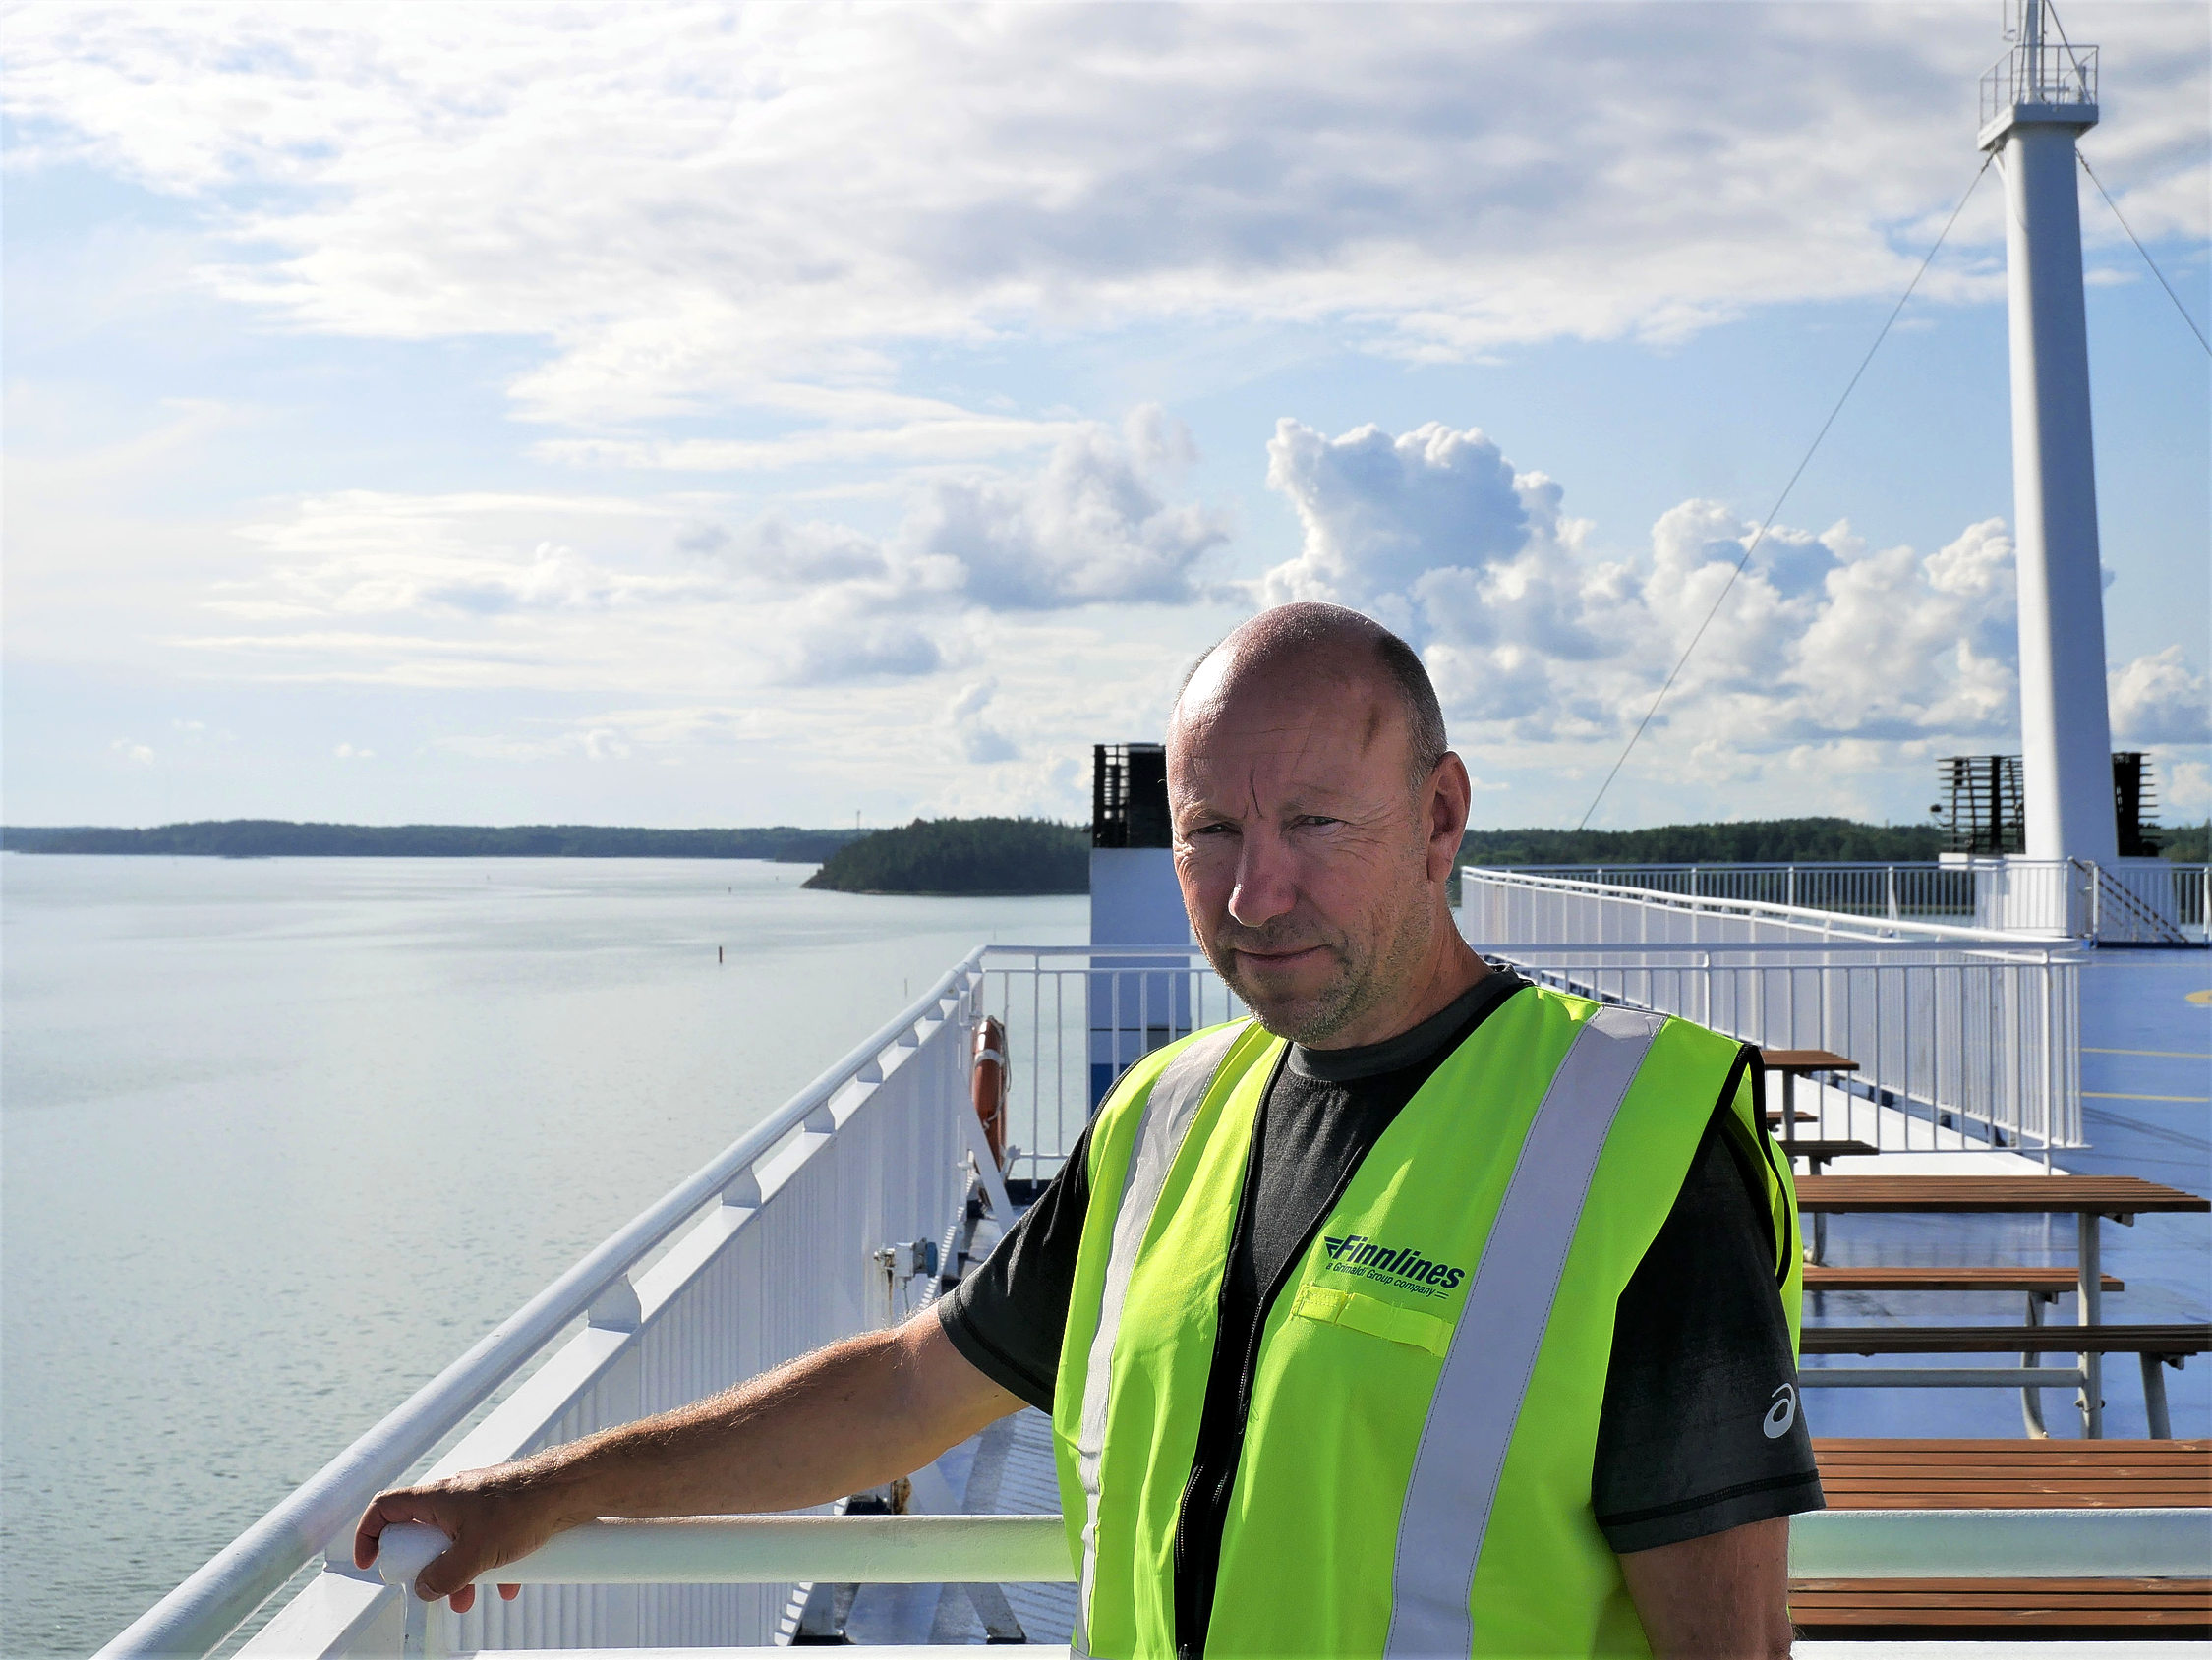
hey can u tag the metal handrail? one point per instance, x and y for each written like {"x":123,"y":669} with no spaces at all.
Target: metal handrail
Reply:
{"x":1871,"y":1544}
{"x":1797,"y":916}
{"x":221,"y":1594}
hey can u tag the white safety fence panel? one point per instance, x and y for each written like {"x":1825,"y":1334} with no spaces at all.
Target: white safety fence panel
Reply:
{"x":780,"y":1260}
{"x":1077,"y":1017}
{"x":2138,"y":901}
{"x":1959,"y":1030}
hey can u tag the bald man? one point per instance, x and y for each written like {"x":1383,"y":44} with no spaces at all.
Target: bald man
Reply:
{"x":1427,"y":1312}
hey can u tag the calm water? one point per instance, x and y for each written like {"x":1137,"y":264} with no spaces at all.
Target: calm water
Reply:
{"x":281,"y":1137}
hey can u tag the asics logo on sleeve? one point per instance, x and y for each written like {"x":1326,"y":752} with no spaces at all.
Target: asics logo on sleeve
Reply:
{"x":1781,"y":1414}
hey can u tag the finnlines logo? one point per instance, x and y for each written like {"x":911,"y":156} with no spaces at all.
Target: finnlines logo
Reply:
{"x":1356,"y":1253}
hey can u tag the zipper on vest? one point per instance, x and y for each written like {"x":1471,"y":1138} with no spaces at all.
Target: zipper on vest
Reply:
{"x":1194,"y":1578}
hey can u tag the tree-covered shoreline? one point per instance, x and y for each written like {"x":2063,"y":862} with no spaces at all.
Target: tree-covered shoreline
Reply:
{"x":265,"y":839}
{"x":963,"y":856}
{"x":975,"y":856}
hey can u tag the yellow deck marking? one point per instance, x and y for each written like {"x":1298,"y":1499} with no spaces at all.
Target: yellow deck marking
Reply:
{"x":2113,"y":1095}
{"x":2198,"y":997}
{"x":2155,"y":1054}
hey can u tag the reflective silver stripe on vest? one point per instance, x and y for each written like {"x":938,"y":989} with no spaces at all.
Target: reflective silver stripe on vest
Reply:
{"x":1494,"y":1352}
{"x":1162,"y":1121}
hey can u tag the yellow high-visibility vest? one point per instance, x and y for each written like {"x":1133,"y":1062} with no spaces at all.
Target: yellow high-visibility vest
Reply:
{"x":1414,"y":1474}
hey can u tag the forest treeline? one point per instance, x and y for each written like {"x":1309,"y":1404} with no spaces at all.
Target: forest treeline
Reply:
{"x":1753,"y":842}
{"x":992,"y":855}
{"x":260,"y":838}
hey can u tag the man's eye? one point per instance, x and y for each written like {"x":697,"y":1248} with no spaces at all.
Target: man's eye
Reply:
{"x":1318,"y":818}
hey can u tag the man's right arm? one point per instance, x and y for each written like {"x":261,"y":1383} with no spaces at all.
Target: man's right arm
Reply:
{"x":845,"y":1418}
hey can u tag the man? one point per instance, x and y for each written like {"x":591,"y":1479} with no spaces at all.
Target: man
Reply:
{"x":1430,"y":1312}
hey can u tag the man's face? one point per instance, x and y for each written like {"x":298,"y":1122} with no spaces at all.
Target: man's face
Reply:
{"x":1301,"y":850}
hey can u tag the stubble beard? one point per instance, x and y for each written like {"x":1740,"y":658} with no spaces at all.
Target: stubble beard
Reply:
{"x":1310,"y":1018}
{"x":1361,"y":981}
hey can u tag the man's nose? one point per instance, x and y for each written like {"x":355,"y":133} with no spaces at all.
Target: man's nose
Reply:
{"x":1266,"y":889}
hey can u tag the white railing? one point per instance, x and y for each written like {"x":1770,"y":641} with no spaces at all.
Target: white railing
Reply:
{"x":2040,"y":74}
{"x":1076,"y":1016}
{"x":1964,"y":1039}
{"x":1853,"y":1544}
{"x":2142,"y":901}
{"x":2148,"y":902}
{"x":779,"y":1244}
{"x":772,"y":1249}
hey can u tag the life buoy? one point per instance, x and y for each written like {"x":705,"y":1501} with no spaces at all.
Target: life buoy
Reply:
{"x":989,"y":1082}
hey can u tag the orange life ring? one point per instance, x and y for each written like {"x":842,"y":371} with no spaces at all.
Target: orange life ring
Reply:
{"x":989,"y":1081}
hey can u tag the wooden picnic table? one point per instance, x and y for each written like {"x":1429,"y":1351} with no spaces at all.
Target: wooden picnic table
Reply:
{"x":1884,"y":1474}
{"x":1795,"y":1064}
{"x":2121,"y":1197}
{"x":2088,"y":1198}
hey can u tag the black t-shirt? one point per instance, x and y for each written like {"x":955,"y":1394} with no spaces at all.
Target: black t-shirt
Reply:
{"x":1697,"y":1433}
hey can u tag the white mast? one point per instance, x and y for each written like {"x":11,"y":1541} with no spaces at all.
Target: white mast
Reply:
{"x":2037,"y":101}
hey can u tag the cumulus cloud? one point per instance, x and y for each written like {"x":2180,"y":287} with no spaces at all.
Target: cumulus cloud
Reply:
{"x":1536,"y":636}
{"x":1090,"y":528}
{"x":2159,"y":698}
{"x":695,"y":205}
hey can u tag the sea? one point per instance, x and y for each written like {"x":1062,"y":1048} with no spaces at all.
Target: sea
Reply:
{"x":281,"y":1137}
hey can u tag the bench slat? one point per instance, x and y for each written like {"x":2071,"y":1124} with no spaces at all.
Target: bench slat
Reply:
{"x":2001,"y":1604}
{"x":2007,"y":1340}
{"x":1886,"y":1473}
{"x":1828,"y":1276}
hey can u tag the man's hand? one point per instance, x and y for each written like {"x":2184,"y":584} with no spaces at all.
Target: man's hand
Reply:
{"x":843,"y":1419}
{"x":1722,"y":1597}
{"x":494,"y":1516}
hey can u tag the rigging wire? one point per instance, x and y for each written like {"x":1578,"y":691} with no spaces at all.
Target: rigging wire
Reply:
{"x":1752,"y":547}
{"x":2144,"y":251}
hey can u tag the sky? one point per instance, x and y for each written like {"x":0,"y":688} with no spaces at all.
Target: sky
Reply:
{"x":708,"y":414}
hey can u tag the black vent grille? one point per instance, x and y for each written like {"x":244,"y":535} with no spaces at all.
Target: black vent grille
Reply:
{"x":1984,"y":810}
{"x":1129,"y":806}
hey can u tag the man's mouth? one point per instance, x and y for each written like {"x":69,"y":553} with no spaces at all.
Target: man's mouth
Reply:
{"x":1279,"y":958}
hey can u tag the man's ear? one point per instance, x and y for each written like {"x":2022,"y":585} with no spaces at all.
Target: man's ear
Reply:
{"x":1449,"y":797}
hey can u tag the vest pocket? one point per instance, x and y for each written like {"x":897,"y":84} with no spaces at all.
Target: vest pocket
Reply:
{"x":1375,"y":1317}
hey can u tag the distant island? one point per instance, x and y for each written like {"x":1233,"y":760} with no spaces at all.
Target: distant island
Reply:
{"x":973,"y":856}
{"x":263,"y":838}
{"x":978,"y":856}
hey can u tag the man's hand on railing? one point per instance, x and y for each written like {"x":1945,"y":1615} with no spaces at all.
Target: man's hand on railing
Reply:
{"x":493,"y":1517}
{"x":840,"y":1420}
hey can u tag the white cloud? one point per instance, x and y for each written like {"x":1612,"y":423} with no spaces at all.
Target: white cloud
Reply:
{"x":2159,"y":698}
{"x":131,"y":750}
{"x":348,"y":752}
{"x":2188,"y":792}
{"x":600,"y":594}
{"x":1536,"y":639}
{"x":691,"y":207}
{"x":1090,"y":528}
{"x":975,"y":740}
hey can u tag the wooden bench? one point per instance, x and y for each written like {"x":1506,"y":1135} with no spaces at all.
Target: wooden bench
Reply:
{"x":2157,"y":1346}
{"x":1933,"y":1610}
{"x":1932,"y":1474}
